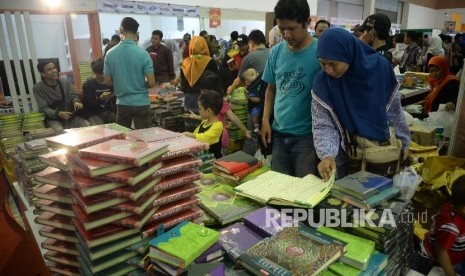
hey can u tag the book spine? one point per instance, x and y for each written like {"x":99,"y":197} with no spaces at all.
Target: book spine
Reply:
{"x":111,"y":159}
{"x":175,"y":197}
{"x":176,"y":182}
{"x":172,"y":211}
{"x":100,"y":140}
{"x":178,"y":168}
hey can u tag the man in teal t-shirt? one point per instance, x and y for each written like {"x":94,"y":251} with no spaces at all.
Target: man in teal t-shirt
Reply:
{"x":126,"y":68}
{"x":289,"y":72}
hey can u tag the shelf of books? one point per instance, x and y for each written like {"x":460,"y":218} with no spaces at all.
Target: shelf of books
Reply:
{"x":113,"y":201}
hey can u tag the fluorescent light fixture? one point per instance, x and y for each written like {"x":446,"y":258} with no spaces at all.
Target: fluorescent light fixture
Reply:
{"x":52,"y":4}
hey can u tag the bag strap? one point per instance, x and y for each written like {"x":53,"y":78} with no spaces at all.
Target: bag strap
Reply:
{"x":351,"y":143}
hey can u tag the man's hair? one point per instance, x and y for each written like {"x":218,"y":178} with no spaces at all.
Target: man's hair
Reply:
{"x":211,"y":99}
{"x":399,"y":38}
{"x":97,"y":66}
{"x":234,"y":35}
{"x":412,"y":35}
{"x":159,"y":33}
{"x":458,"y":191}
{"x":203,"y":33}
{"x":129,"y":25}
{"x":211,"y":81}
{"x":322,"y":21}
{"x":257,"y":37}
{"x":242,"y":76}
{"x":115,"y":37}
{"x":41,"y":65}
{"x":297,"y":10}
{"x":105,"y":41}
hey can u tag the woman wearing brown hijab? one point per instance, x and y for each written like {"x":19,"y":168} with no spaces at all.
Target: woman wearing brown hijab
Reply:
{"x":192,"y":68}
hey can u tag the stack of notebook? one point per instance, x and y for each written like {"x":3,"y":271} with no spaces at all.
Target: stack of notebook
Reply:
{"x":167,"y":109}
{"x":239,"y":107}
{"x":236,"y":166}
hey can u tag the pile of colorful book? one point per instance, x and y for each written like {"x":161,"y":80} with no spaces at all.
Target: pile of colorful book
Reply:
{"x":207,"y":161}
{"x":188,"y":248}
{"x":238,"y":103}
{"x":236,"y":166}
{"x":167,"y":110}
{"x":105,"y":197}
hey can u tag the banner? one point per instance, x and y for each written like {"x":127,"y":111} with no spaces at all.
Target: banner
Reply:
{"x":215,"y":18}
{"x":147,"y":8}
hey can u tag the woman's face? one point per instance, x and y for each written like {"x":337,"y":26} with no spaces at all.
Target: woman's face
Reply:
{"x":435,"y":72}
{"x":335,"y":69}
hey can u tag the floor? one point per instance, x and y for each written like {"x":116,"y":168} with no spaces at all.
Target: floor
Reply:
{"x":19,"y":253}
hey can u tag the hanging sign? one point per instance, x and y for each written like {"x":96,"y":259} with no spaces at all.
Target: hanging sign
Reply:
{"x":215,"y":18}
{"x":147,"y":8}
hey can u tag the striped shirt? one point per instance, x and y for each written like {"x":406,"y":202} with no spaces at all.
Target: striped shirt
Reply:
{"x":448,"y":232}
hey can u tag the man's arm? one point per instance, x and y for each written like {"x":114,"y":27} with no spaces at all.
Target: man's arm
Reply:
{"x":267,"y":111}
{"x":42,"y":103}
{"x":444,"y":260}
{"x":150,"y":80}
{"x":108,"y":80}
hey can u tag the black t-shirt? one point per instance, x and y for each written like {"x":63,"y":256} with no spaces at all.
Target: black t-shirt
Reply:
{"x":448,"y":93}
{"x":384,"y":51}
{"x":92,"y":90}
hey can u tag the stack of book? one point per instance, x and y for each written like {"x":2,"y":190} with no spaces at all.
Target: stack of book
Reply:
{"x":220,"y":201}
{"x":167,"y":109}
{"x":10,"y":133}
{"x":207,"y":159}
{"x":174,"y":251}
{"x":33,"y":121}
{"x":239,"y":108}
{"x":236,"y":166}
{"x":364,"y":190}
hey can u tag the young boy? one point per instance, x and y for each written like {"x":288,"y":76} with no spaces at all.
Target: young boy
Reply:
{"x":444,"y":244}
{"x":252,"y":79}
{"x":210,"y":129}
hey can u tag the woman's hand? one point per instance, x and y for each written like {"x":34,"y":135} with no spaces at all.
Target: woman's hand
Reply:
{"x":326,"y":166}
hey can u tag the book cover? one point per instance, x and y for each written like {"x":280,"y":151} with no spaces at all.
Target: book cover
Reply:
{"x":362,"y":184}
{"x":56,"y":159}
{"x":371,"y":202}
{"x":88,"y":186}
{"x":171,"y":221}
{"x":95,"y":167}
{"x":173,"y":243}
{"x":239,"y":175}
{"x":58,"y":234}
{"x":97,"y":219}
{"x":96,"y":203}
{"x":257,"y":221}
{"x":293,"y":251}
{"x":55,"y":220}
{"x":79,"y":139}
{"x":61,"y":258}
{"x":178,"y":179}
{"x":55,"y":177}
{"x":53,"y":193}
{"x":213,"y":269}
{"x":132,"y":176}
{"x":134,"y":193}
{"x":153,"y":134}
{"x":236,"y":239}
{"x":60,"y":246}
{"x":176,"y":165}
{"x":235,"y":162}
{"x":54,"y":207}
{"x":214,"y":252}
{"x":182,"y":145}
{"x":36,"y":144}
{"x":173,"y":208}
{"x":358,"y":250}
{"x":221,"y":201}
{"x":124,"y":151}
{"x":175,"y":194}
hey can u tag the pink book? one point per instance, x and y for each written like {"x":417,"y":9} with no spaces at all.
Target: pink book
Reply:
{"x":83,"y":138}
{"x":178,"y":179}
{"x":55,"y":177}
{"x":178,"y":164}
{"x":169,"y":222}
{"x":182,"y":145}
{"x":153,"y":134}
{"x":54,"y":193}
{"x":133,"y":176}
{"x":177,"y":193}
{"x":136,"y":153}
{"x":146,"y":187}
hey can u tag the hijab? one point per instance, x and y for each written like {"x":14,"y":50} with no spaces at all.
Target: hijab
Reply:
{"x":437,"y":84}
{"x":435,"y":46}
{"x":199,"y":57}
{"x":360,"y":97}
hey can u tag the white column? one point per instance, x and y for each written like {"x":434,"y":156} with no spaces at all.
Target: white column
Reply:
{"x":313,"y":4}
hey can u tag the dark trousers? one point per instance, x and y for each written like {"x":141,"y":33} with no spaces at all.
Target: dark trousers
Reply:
{"x":141,"y":115}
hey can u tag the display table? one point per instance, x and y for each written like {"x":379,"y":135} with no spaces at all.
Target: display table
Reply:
{"x":411,"y":96}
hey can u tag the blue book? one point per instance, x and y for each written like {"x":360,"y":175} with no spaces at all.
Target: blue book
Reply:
{"x":370,"y":202}
{"x":236,"y":239}
{"x":362,"y":185}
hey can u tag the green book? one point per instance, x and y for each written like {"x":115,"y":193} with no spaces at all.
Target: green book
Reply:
{"x":219,"y":200}
{"x":184,"y":243}
{"x":101,"y":265}
{"x":371,"y":202}
{"x":358,"y":250}
{"x":101,"y":251}
{"x":117,"y":270}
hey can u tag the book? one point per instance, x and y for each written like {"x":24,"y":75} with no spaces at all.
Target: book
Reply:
{"x":53,"y":193}
{"x":179,"y":179}
{"x":377,"y":263}
{"x":293,"y":251}
{"x":56,"y":159}
{"x":236,"y":239}
{"x":60,"y":246}
{"x":95,"y":167}
{"x":96,"y":203}
{"x":212,"y":253}
{"x":132,"y":176}
{"x":136,"y":153}
{"x":54,"y":177}
{"x":137,"y":207}
{"x":239,"y":175}
{"x":221,"y":201}
{"x":362,"y":185}
{"x":61,"y":258}
{"x":58,"y":234}
{"x":165,"y":269}
{"x":171,"y":246}
{"x":182,"y":145}
{"x":91,"y":221}
{"x":54,"y":207}
{"x":134,"y":193}
{"x":88,"y":186}
{"x":79,"y":139}
{"x":107,"y":262}
{"x":176,"y":165}
{"x":280,"y":189}
{"x":36,"y":144}
{"x":63,"y":269}
{"x":153,"y":134}
{"x":175,"y":194}
{"x":55,"y":220}
{"x":260,"y":221}
{"x":213,"y":269}
{"x":235,"y":162}
{"x":171,"y":221}
{"x":101,"y":251}
{"x":358,"y":250}
{"x":370,"y":202}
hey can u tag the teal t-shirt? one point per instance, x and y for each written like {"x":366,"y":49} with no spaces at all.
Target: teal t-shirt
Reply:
{"x":128,"y":64}
{"x":292,"y":73}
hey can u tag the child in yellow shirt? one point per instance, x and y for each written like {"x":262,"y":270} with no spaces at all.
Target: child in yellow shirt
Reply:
{"x":210,"y":129}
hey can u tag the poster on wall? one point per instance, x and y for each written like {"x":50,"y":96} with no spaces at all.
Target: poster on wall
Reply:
{"x":215,"y":18}
{"x":449,"y":26}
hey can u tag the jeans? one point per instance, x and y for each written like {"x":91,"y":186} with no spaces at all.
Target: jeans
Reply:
{"x":293,"y":155}
{"x":59,"y":126}
{"x":251,"y":145}
{"x":142,"y":116}
{"x":105,"y":117}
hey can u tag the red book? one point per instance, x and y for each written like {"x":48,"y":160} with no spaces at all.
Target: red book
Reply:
{"x":178,"y":164}
{"x":124,"y":151}
{"x":54,"y":193}
{"x":133,"y":176}
{"x":55,"y":207}
{"x":103,"y":234}
{"x":56,"y":159}
{"x":63,"y":269}
{"x":235,"y":162}
{"x":176,"y":194}
{"x":178,"y":179}
{"x":182,"y":145}
{"x":55,"y":220}
{"x":153,"y":134}
{"x":137,"y":207}
{"x":169,"y":222}
{"x":79,"y":139}
{"x":62,"y":258}
{"x":88,"y":186}
{"x":96,"y":203}
{"x":54,"y":177}
{"x":60,"y":246}
{"x":91,"y":221}
{"x":145,"y":188}
{"x":58,"y":234}
{"x":237,"y":176}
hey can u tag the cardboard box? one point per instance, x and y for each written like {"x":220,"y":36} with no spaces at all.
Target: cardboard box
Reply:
{"x":423,"y":136}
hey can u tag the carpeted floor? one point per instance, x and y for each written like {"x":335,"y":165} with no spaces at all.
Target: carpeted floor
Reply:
{"x":19,"y":253}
